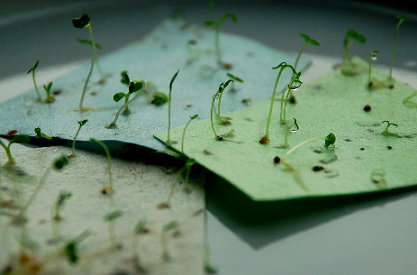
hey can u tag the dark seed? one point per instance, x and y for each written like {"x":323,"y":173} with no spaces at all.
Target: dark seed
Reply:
{"x":219,"y":138}
{"x":389,"y":147}
{"x":367,"y":108}
{"x":318,"y":168}
{"x":362,"y":149}
{"x":227,"y":66}
{"x":277,"y":160}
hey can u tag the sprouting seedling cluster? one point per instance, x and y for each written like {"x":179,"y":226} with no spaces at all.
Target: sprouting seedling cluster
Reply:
{"x":213,"y":112}
{"x":80,"y":23}
{"x":15,"y":139}
{"x":308,"y":41}
{"x":134,"y":87}
{"x":217,"y":25}
{"x":294,"y":84}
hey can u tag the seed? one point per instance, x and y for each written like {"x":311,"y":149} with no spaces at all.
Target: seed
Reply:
{"x":367,"y":108}
{"x":317,"y":168}
{"x":277,"y":160}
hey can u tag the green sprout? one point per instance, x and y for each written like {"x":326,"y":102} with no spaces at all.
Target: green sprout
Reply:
{"x":218,"y":96}
{"x":81,"y":123}
{"x":107,"y":190}
{"x":217,"y":26}
{"x":33,"y":79}
{"x":140,"y":228}
{"x":374,"y":55}
{"x":169,"y":107}
{"x":209,"y":268}
{"x":401,"y":20}
{"x":159,"y":98}
{"x":291,"y":129}
{"x":15,"y":139}
{"x":47,"y":88}
{"x":308,"y":41}
{"x":294,"y":84}
{"x":378,"y":176}
{"x":111,"y":219}
{"x":59,"y":204}
{"x":134,"y":87}
{"x":58,"y":164}
{"x":39,"y":134}
{"x":168,"y":227}
{"x":351,"y":36}
{"x":329,"y":140}
{"x":408,"y":102}
{"x":235,"y":78}
{"x":80,"y":23}
{"x":185,"y":129}
{"x":71,"y":248}
{"x":386,"y":132}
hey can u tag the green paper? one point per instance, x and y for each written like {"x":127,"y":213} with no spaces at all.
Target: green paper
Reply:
{"x":331,"y":104}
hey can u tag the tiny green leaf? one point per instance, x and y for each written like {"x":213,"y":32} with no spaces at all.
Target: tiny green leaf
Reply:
{"x":20,"y":139}
{"x":62,"y":198}
{"x":71,"y":252}
{"x":48,"y":88}
{"x":209,"y":23}
{"x":125,"y":78}
{"x":82,"y":122}
{"x":140,"y":227}
{"x":194,"y":116}
{"x":135,"y":86}
{"x":170,"y":226}
{"x":355,"y":35}
{"x":305,"y":36}
{"x":118,"y":96}
{"x":81,"y":22}
{"x":402,"y":18}
{"x":235,"y":77}
{"x":282,"y":64}
{"x":37,"y":131}
{"x":86,"y":41}
{"x":34,"y":66}
{"x":159,"y":98}
{"x":314,"y":42}
{"x":330,"y":140}
{"x":113,"y":215}
{"x":61,"y":162}
{"x":172,"y":79}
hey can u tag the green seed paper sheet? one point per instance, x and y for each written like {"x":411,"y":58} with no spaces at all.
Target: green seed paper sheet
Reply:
{"x":139,"y":187}
{"x":155,"y":58}
{"x":331,"y":104}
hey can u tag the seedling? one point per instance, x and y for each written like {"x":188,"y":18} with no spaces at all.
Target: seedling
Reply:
{"x":218,"y":96}
{"x":159,"y":98}
{"x":235,"y":78}
{"x":107,"y":190}
{"x":111,"y":219}
{"x":168,"y":227}
{"x":217,"y":27}
{"x":295,"y":83}
{"x":140,"y":228}
{"x":81,"y":123}
{"x":33,"y":78}
{"x":59,"y":204}
{"x":185,"y":129}
{"x":378,"y":177}
{"x":169,"y":107}
{"x":71,"y":248}
{"x":329,"y":140}
{"x":209,"y":268}
{"x":80,"y":23}
{"x":308,"y":41}
{"x":408,"y":102}
{"x":386,"y":132}
{"x":58,"y":164}
{"x":374,"y":55}
{"x":15,"y":139}
{"x":134,"y":87}
{"x":291,"y":129}
{"x":401,"y":20}
{"x":39,"y":134}
{"x":348,"y":66}
{"x":49,"y":98}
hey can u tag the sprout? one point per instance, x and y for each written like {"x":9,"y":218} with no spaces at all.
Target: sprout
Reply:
{"x":308,"y":41}
{"x":401,"y":20}
{"x":374,"y":55}
{"x":134,"y":87}
{"x":217,"y":26}
{"x":33,"y":78}
{"x":84,"y":22}
{"x":235,"y":78}
{"x":39,"y":134}
{"x":58,"y":164}
{"x":80,"y":124}
{"x":292,"y":128}
{"x":159,"y":98}
{"x":111,"y":219}
{"x":169,"y":107}
{"x":170,"y":226}
{"x":185,"y":129}
{"x":329,"y":140}
{"x":15,"y":139}
{"x":47,"y":88}
{"x":140,"y":228}
{"x":351,"y":36}
{"x":386,"y":132}
{"x":218,"y":96}
{"x":59,"y":204}
{"x":71,"y":248}
{"x":408,"y":102}
{"x":107,"y":190}
{"x":294,"y":84}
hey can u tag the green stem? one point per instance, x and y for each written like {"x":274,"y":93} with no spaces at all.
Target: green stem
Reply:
{"x":211,"y":116}
{"x":219,"y":59}
{"x":75,"y":138}
{"x":299,"y":145}
{"x":36,"y":87}
{"x":116,"y":117}
{"x":183,"y":134}
{"x":94,"y":50}
{"x":393,"y":51}
{"x":271,"y":106}
{"x":86,"y":83}
{"x":299,"y":55}
{"x":8,"y":154}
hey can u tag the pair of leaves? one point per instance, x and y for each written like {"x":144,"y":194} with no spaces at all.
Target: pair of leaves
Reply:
{"x":309,"y":40}
{"x":34,"y":67}
{"x":86,"y":41}
{"x":217,"y":24}
{"x":352,"y":34}
{"x":134,"y":86}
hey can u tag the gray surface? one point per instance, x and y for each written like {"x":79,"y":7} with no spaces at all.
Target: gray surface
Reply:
{"x":370,"y":235}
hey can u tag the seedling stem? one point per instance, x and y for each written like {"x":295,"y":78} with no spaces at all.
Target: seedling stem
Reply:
{"x":169,"y":107}
{"x":33,"y":78}
{"x":185,"y":129}
{"x":308,"y":41}
{"x":15,"y":139}
{"x":80,"y":124}
{"x":108,"y":190}
{"x":218,"y":95}
{"x":402,"y":19}
{"x":111,"y":219}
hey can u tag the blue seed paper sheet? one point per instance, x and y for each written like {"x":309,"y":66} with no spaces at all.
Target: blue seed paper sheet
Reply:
{"x":155,"y":58}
